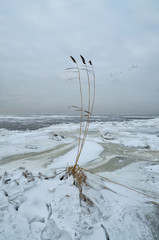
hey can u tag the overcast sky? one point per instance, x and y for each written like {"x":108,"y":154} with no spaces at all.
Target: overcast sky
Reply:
{"x":121,"y":38}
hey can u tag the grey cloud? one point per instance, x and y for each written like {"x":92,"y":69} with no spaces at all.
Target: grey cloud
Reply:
{"x":36,"y":39}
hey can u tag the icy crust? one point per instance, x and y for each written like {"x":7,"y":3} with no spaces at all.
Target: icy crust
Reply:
{"x":62,"y":155}
{"x":91,"y":151}
{"x":38,"y":205}
{"x":20,"y":142}
{"x":142,"y":134}
{"x":139,"y":175}
{"x":154,"y":168}
{"x":105,"y":208}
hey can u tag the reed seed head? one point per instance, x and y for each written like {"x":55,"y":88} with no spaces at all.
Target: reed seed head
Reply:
{"x":73,"y":59}
{"x":83,"y":60}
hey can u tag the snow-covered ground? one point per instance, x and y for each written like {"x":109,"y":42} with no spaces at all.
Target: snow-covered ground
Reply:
{"x":121,"y":198}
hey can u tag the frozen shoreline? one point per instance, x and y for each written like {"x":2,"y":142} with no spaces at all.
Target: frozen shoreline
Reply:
{"x":125,"y":155}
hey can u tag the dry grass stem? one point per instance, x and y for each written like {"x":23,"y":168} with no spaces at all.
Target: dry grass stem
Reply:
{"x":77,"y":172}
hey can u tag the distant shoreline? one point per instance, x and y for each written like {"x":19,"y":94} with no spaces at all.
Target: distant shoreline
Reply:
{"x":23,"y":122}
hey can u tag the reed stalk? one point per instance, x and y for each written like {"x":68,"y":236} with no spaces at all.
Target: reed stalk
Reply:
{"x":77,"y":172}
{"x":90,"y":107}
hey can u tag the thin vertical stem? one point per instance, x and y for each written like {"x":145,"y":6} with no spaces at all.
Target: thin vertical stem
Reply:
{"x":93,"y":86}
{"x":80,"y":85}
{"x":89,"y":115}
{"x":90,"y":107}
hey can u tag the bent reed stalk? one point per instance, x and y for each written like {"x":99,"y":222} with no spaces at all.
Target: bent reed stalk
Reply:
{"x":89,"y":112}
{"x":81,"y":108}
{"x":75,"y":170}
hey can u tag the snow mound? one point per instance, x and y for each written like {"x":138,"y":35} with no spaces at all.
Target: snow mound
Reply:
{"x":48,"y":208}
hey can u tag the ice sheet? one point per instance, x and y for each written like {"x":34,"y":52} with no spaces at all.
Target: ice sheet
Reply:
{"x":19,"y":142}
{"x":90,"y":152}
{"x":126,"y":203}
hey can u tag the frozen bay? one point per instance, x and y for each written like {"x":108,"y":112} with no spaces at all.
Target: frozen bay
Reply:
{"x":124,"y":153}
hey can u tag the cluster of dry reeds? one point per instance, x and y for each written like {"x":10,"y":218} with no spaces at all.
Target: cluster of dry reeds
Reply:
{"x":76,"y":171}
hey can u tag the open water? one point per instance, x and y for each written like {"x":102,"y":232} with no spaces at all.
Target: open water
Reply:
{"x":35,"y":121}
